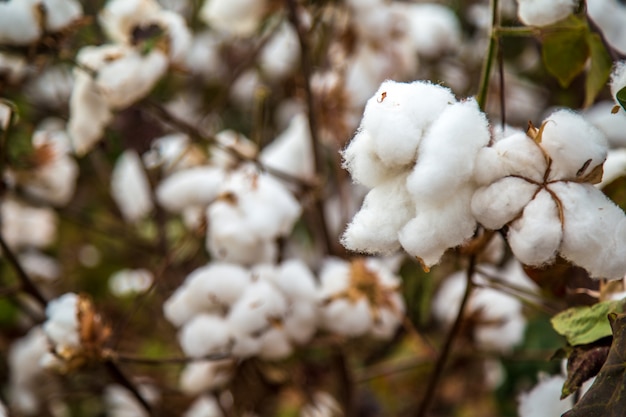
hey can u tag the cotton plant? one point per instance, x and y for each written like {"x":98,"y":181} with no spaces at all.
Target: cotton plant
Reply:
{"x":415,"y":149}
{"x":540,"y":185}
{"x":544,"y":12}
{"x":360,"y":298}
{"x":130,"y":187}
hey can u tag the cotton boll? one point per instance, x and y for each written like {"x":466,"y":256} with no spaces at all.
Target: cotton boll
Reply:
{"x":499,"y":203}
{"x":613,"y":125}
{"x":322,"y":405}
{"x":204,"y":57}
{"x":544,"y":399}
{"x":62,"y":326}
{"x":433,"y":28}
{"x":334,"y":278}
{"x":204,"y":406}
{"x":259,"y":304}
{"x":388,"y":319}
{"x":204,"y":335}
{"x":296,"y":281}
{"x":504,"y":324}
{"x":239,"y":17}
{"x":275,"y":344}
{"x":594,"y":230}
{"x":218,"y":283}
{"x":346,"y":317}
{"x":23,"y":360}
{"x":543,"y":12}
{"x":281,"y":54}
{"x":445,"y":305}
{"x":172,"y":153}
{"x":447,"y":152}
{"x":386,"y":208}
{"x":397,"y":115}
{"x":122,"y":403}
{"x":516,"y":154}
{"x":535,"y":237}
{"x":52,"y":87}
{"x":364,"y":165}
{"x":438,"y":227}
{"x":292,"y":151}
{"x":618,"y":79}
{"x":300,"y":324}
{"x":614,"y":167}
{"x":201,"y":376}
{"x":25,"y":226}
{"x":39,"y":266}
{"x":197,"y":186}
{"x":130,"y":187}
{"x":177,"y":309}
{"x":609,"y":16}
{"x":60,"y":13}
{"x":179,"y":35}
{"x":19,"y":22}
{"x":575,"y":146}
{"x":130,"y":282}
{"x":119,"y":17}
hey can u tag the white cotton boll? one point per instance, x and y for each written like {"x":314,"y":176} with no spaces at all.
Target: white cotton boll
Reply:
{"x":322,"y":405}
{"x":259,"y":304}
{"x":618,"y":78}
{"x":365,"y":70}
{"x":346,"y":317}
{"x":364,"y":165}
{"x":23,"y":360}
{"x":613,"y":125}
{"x":446,"y":302}
{"x":62,"y":325}
{"x":300,"y":324}
{"x":178,"y":33}
{"x":504,"y":323}
{"x":499,"y":203}
{"x":543,"y":12}
{"x":535,"y":237}
{"x":447,"y":152}
{"x":516,"y":154}
{"x":295,"y":280}
{"x":204,"y":57}
{"x":172,"y":153}
{"x":197,"y":186}
{"x":177,"y":309}
{"x":119,"y":17}
{"x":52,"y":87}
{"x":439,"y":227}
{"x":594,"y":230}
{"x":13,"y":68}
{"x":246,"y":345}
{"x":19,"y":23}
{"x":89,"y":112}
{"x":39,"y":266}
{"x":204,"y":406}
{"x":237,"y":17}
{"x":571,"y":142}
{"x":25,"y":226}
{"x":275,"y":344}
{"x":388,"y":320}
{"x":130,"y":187}
{"x":217,"y":285}
{"x":60,"y":13}
{"x":614,"y":167}
{"x":292,"y":151}
{"x":204,"y":335}
{"x":504,"y":337}
{"x":122,"y":403}
{"x":334,"y":278}
{"x":544,"y":399}
{"x":130,"y":77}
{"x":228,"y":142}
{"x":609,"y":16}
{"x":243,"y":92}
{"x":433,"y":28}
{"x":130,"y":282}
{"x":280,"y":55}
{"x":397,"y":115}
{"x":386,"y":208}
{"x":201,"y":376}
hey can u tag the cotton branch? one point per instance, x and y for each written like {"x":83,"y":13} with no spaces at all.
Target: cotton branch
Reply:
{"x":26,"y":282}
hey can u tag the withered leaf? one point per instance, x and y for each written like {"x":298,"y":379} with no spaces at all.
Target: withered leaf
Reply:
{"x":584,"y":363}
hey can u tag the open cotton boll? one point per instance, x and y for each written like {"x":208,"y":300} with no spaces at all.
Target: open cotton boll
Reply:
{"x":397,"y":115}
{"x":120,"y":402}
{"x":334,"y":277}
{"x":197,"y":186}
{"x":236,"y":17}
{"x":609,"y":16}
{"x":388,"y":319}
{"x":25,"y":226}
{"x":433,"y":28}
{"x":613,"y":125}
{"x":300,"y":324}
{"x":61,"y":325}
{"x":202,"y":376}
{"x":618,"y":79}
{"x":499,"y":203}
{"x":544,"y":12}
{"x":295,"y":280}
{"x":292,"y":151}
{"x":172,"y":153}
{"x":259,"y":305}
{"x":575,"y":146}
{"x":346,"y":317}
{"x":275,"y":344}
{"x":130,"y":187}
{"x":119,"y":17}
{"x":60,"y":13}
{"x":204,"y":406}
{"x":130,"y":282}
{"x":614,"y":167}
{"x":516,"y":154}
{"x":364,"y":165}
{"x":203,"y":335}
{"x":544,"y":399}
{"x":281,"y":54}
{"x":375,"y":227}
{"x":535,"y":237}
{"x":594,"y":230}
{"x":447,"y":152}
{"x":23,"y":360}
{"x":438,"y":227}
{"x":39,"y":266}
{"x":19,"y":22}
{"x":504,"y":324}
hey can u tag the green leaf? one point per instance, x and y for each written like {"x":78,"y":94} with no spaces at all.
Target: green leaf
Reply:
{"x":621,"y":97}
{"x":599,"y":70}
{"x":565,"y":49}
{"x":607,"y":396}
{"x":584,"y":325}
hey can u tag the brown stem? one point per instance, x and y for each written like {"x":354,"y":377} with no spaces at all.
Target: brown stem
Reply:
{"x":122,"y":357}
{"x":26,"y":282}
{"x":447,"y":347}
{"x":118,"y":376}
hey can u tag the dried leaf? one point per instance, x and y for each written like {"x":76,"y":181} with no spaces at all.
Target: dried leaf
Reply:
{"x":584,"y":363}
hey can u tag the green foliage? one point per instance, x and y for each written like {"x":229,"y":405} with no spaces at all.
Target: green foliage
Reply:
{"x":584,"y":325}
{"x":565,"y":49}
{"x":599,"y":69}
{"x":606,"y":397}
{"x":621,"y":97}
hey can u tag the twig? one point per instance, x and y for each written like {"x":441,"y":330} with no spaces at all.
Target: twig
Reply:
{"x":307,"y":71}
{"x":122,"y":357}
{"x":447,"y":347}
{"x":488,"y":63}
{"x":116,"y":373}
{"x":346,"y":382}
{"x":25,"y":280}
